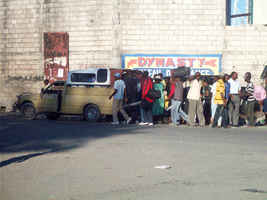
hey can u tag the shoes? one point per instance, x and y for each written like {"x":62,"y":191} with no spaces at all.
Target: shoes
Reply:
{"x":235,"y":126}
{"x":143,"y":123}
{"x":174,"y":125}
{"x":115,"y":123}
{"x":129,"y":120}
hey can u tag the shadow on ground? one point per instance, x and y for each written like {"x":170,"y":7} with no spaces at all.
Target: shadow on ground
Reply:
{"x":23,"y":158}
{"x":45,"y":136}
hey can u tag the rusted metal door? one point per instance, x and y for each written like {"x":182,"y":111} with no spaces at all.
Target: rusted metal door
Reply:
{"x":56,"y":56}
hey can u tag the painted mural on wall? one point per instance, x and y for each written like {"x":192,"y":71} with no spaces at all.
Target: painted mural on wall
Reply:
{"x":154,"y":64}
{"x":56,"y":56}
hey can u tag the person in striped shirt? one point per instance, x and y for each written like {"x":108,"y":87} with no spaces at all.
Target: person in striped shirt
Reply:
{"x":250,"y":100}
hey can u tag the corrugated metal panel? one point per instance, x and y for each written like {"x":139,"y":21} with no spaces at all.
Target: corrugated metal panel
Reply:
{"x":56,"y":56}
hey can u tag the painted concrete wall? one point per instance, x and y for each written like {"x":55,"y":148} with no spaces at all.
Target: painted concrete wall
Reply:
{"x":101,"y":31}
{"x":259,"y":11}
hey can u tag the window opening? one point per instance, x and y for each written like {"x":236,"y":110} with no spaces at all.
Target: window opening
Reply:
{"x":239,"y":12}
{"x":83,"y":77}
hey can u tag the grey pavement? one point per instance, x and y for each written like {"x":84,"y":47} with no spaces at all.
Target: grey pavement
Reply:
{"x":74,"y":160}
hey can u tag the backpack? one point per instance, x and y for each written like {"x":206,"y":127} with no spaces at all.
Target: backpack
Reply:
{"x":154,"y":94}
{"x":182,"y":72}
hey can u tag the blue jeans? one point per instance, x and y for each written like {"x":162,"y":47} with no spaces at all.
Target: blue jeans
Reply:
{"x":222,"y":112}
{"x":265,"y":105}
{"x":177,"y":112}
{"x":146,"y":115}
{"x":141,"y":114}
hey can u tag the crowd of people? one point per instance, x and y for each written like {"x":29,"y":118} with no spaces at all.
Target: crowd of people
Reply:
{"x":146,"y":101}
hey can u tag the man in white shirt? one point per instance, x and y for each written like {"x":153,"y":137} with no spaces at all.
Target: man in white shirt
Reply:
{"x":195,"y":104}
{"x":118,"y":96}
{"x":234,"y":103}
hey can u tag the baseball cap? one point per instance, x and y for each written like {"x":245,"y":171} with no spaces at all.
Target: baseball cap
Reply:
{"x":117,"y":75}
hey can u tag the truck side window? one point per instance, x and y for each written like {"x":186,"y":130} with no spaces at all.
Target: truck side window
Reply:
{"x":102,"y":75}
{"x":83,"y":78}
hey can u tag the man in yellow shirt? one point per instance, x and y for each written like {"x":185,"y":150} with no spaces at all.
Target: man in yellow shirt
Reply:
{"x":219,"y":99}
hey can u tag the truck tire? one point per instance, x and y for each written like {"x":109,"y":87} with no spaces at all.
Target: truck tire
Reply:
{"x":52,"y":116}
{"x":28,"y":111}
{"x":91,"y":113}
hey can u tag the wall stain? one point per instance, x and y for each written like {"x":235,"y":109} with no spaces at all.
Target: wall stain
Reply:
{"x":25,"y":78}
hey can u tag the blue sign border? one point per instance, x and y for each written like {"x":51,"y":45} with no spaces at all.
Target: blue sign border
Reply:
{"x":175,"y":55}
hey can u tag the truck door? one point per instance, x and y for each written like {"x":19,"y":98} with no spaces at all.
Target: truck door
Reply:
{"x":49,"y":99}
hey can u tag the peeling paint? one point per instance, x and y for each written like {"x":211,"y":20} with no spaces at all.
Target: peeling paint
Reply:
{"x":56,"y":56}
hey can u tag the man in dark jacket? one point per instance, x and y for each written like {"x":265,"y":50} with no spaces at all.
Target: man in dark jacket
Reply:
{"x":132,"y":90}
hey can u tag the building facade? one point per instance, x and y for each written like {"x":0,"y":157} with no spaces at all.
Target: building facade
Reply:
{"x":100,"y":32}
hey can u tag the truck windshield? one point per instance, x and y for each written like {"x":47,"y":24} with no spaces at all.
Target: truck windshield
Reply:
{"x":83,"y":77}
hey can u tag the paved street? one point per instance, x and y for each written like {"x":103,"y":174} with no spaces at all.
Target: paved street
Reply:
{"x":74,"y":160}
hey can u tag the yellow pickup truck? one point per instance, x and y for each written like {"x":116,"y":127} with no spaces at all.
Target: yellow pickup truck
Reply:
{"x":84,"y":93}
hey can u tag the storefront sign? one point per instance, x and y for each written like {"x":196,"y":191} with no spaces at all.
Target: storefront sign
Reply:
{"x":154,"y":64}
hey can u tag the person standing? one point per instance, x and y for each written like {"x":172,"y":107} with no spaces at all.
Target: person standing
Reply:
{"x":265,"y":101}
{"x":219,"y":100}
{"x":195,"y":104}
{"x":213,"y":105}
{"x":227,"y":92}
{"x":167,"y":103}
{"x":234,"y":103}
{"x":158,"y":105}
{"x":147,"y":102}
{"x":176,"y":97}
{"x":131,"y":83}
{"x":46,"y":84}
{"x":206,"y":99}
{"x":162,"y":80}
{"x":118,"y":96}
{"x":249,"y":90}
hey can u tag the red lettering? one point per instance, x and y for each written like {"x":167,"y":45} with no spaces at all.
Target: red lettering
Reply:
{"x":191,"y":62}
{"x":170,"y":62}
{"x":160,"y":62}
{"x":150,"y":61}
{"x":141,"y":61}
{"x":211,"y":63}
{"x":201,"y":61}
{"x":181,"y":62}
{"x":131,"y":63}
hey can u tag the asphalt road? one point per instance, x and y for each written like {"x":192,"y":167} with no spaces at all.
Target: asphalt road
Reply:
{"x":74,"y":160}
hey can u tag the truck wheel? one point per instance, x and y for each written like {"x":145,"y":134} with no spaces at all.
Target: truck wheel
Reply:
{"x":28,"y":110}
{"x":52,"y":116}
{"x":91,"y":113}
